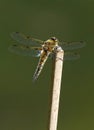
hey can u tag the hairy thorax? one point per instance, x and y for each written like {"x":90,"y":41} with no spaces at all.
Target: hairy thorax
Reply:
{"x":49,"y":45}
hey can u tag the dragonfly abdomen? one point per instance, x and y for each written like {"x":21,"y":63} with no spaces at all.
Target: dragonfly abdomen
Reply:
{"x":41,"y":63}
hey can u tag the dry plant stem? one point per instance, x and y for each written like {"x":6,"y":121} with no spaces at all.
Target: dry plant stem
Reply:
{"x":56,"y":90}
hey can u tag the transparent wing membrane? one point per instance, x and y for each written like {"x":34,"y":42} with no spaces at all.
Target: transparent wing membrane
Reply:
{"x":71,"y":56}
{"x":26,"y":40}
{"x":28,"y":46}
{"x":72,"y":45}
{"x":25,"y":50}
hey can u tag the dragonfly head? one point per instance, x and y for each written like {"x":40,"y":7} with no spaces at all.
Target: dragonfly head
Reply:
{"x":54,"y":39}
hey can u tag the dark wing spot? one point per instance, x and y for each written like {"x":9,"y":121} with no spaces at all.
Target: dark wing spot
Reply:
{"x":15,"y":45}
{"x":81,"y":41}
{"x":28,"y":37}
{"x":36,"y":49}
{"x":16,"y":32}
{"x":27,"y":47}
{"x":76,"y":53}
{"x":68,"y":42}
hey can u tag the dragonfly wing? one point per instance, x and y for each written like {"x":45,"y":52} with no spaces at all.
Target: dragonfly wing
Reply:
{"x":71,"y":56}
{"x":25,"y":50}
{"x":26,"y":40}
{"x":72,"y":45}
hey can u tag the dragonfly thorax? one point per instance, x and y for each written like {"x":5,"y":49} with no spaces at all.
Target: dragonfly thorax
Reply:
{"x":50,"y":44}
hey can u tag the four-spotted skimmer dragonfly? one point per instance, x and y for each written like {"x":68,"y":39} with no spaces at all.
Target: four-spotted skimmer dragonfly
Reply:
{"x":31,"y":46}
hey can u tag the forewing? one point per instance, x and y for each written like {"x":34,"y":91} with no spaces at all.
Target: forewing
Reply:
{"x":72,"y":45}
{"x":25,"y":50}
{"x":71,"y":56}
{"x":26,"y":40}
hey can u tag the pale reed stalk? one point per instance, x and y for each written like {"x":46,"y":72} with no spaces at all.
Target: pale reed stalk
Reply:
{"x":56,"y":90}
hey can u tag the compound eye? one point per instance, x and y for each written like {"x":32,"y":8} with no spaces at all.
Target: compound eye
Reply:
{"x":53,"y":38}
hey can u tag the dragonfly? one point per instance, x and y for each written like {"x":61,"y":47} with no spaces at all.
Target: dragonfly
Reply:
{"x":28,"y":46}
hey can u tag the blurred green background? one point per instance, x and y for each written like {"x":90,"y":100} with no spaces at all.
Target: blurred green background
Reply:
{"x":24,"y":105}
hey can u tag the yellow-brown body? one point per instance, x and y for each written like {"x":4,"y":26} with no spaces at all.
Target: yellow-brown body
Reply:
{"x":47,"y":48}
